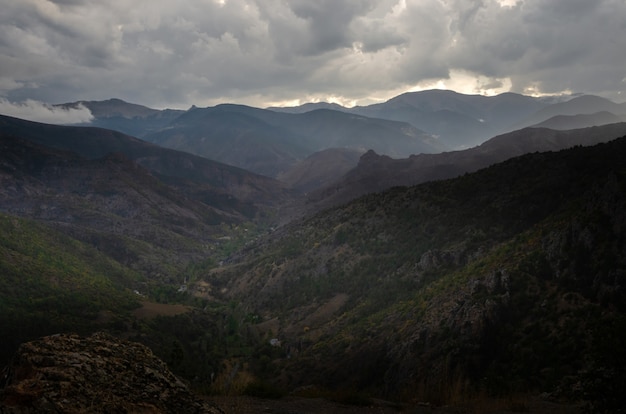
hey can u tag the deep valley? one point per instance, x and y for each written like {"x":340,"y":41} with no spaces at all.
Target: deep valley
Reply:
{"x":321,"y":257}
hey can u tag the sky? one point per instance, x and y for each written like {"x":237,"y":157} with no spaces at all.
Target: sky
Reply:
{"x":174,"y":54}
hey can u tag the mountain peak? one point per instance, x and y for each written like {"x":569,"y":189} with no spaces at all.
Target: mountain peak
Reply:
{"x":114,"y":107}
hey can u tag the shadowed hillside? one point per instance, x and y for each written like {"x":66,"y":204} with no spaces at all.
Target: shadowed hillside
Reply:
{"x":376,"y":173}
{"x":503,"y":281}
{"x":230,"y":188}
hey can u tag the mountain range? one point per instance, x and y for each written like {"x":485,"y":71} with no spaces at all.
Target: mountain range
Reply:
{"x":496,"y":269}
{"x":377,"y":172}
{"x":463,"y":121}
{"x":274,"y":140}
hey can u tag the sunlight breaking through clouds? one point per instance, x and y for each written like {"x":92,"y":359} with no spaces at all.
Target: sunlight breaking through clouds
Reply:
{"x":175,"y":54}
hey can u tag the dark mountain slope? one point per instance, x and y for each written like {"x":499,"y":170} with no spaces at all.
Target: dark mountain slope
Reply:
{"x":52,"y":283}
{"x":112,"y":203}
{"x":506,"y":280}
{"x":376,"y":173}
{"x":233,"y":189}
{"x":78,"y":236}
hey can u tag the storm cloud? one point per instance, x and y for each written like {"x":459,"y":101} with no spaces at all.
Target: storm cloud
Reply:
{"x":265,"y":52}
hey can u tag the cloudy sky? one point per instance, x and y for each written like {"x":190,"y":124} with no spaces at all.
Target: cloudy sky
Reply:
{"x":166,"y":53}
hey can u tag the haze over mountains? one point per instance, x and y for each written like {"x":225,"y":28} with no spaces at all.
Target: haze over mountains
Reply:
{"x":344,"y":250}
{"x":277,"y":142}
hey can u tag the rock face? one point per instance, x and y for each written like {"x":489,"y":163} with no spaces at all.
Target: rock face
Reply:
{"x":99,"y":374}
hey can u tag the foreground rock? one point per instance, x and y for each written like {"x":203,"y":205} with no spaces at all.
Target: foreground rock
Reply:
{"x":70,"y":374}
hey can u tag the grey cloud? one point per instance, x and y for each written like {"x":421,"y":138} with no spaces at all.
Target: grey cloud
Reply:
{"x":375,"y":34}
{"x":255,"y":51}
{"x":60,"y":33}
{"x":536,"y":42}
{"x":426,"y":24}
{"x":329,"y":21}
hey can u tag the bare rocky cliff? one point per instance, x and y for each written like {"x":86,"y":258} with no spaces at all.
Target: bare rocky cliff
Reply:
{"x":99,"y":374}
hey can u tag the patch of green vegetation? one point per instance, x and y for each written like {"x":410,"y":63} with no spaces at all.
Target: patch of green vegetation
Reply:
{"x":52,"y":283}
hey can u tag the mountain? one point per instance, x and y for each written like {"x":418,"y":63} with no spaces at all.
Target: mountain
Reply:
{"x":581,"y":105}
{"x":459,"y":120}
{"x":111,"y":203}
{"x":462,"y":121}
{"x":151,"y":209}
{"x":112,"y":108}
{"x":270,"y":143}
{"x":564,"y":122}
{"x":229,"y":188}
{"x":129,"y":118}
{"x":232,"y":137}
{"x":504,"y":281}
{"x":89,"y":236}
{"x":377,"y":173}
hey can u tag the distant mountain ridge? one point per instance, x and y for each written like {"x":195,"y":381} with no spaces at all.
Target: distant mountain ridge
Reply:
{"x":376,"y":173}
{"x":565,"y":122}
{"x":273,"y":141}
{"x":129,"y":118}
{"x":462,"y":121}
{"x":580,"y":105}
{"x":113,"y":107}
{"x":270,"y":143}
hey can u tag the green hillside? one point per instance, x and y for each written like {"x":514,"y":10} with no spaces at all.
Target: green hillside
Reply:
{"x":505,"y":281}
{"x":52,"y":283}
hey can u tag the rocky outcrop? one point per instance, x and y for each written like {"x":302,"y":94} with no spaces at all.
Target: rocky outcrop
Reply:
{"x":99,"y":374}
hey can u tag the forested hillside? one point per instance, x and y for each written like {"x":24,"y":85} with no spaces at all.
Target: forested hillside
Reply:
{"x":503,"y":281}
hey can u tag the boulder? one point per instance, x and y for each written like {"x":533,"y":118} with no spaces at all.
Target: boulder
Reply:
{"x":66,"y":373}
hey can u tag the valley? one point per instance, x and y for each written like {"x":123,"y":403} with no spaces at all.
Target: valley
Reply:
{"x":402,"y":256}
